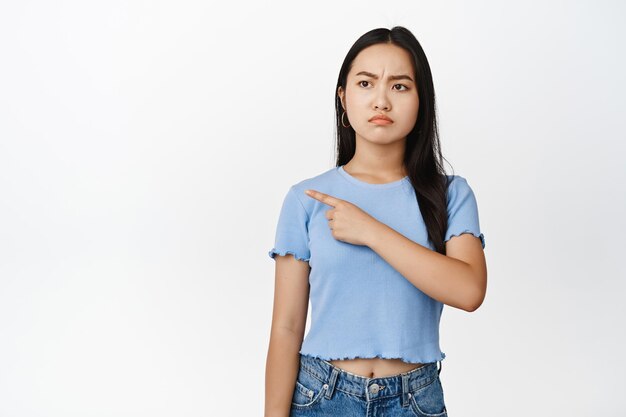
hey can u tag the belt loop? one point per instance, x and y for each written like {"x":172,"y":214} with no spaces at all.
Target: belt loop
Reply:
{"x":405,"y":390}
{"x":331,"y":382}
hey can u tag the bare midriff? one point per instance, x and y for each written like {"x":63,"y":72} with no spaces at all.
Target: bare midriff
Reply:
{"x":375,"y":367}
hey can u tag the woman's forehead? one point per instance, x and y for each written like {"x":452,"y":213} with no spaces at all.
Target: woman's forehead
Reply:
{"x":383,"y":59}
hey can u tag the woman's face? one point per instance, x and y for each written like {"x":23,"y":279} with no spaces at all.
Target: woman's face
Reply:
{"x":381,"y":81}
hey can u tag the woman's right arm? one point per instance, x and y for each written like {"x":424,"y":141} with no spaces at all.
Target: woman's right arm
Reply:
{"x":291,"y":302}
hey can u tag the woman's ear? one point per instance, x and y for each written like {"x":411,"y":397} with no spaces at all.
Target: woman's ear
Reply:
{"x":340,"y":93}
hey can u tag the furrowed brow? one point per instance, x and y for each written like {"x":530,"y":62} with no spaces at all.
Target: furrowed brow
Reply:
{"x":391,"y":77}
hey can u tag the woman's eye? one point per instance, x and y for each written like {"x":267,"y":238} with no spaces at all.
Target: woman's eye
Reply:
{"x":402,"y":85}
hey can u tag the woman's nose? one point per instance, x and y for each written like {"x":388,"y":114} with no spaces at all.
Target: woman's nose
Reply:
{"x":381,"y":101}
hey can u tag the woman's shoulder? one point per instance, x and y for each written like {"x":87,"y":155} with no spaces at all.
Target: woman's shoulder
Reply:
{"x":318,"y":180}
{"x":455,"y":178}
{"x":456,"y":182}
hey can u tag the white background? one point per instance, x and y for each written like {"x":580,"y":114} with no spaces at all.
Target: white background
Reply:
{"x":145,"y":148}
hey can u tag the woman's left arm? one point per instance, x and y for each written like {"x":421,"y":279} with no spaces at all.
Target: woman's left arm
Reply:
{"x":458,"y":279}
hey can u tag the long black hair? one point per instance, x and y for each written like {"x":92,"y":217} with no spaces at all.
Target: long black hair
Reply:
{"x":423,"y":160}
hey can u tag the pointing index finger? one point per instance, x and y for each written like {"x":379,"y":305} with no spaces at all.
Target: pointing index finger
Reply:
{"x":324,"y":198}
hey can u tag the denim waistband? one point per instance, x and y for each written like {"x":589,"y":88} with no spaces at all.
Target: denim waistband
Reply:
{"x":368,"y":388}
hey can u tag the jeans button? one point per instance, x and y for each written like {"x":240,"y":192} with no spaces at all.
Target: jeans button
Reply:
{"x":374,"y":388}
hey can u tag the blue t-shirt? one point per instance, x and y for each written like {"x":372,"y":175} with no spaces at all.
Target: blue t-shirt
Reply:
{"x":360,"y":305}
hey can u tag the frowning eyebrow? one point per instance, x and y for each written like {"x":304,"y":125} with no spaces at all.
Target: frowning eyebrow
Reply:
{"x":391,"y":77}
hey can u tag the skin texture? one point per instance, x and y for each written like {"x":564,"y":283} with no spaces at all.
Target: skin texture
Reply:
{"x":458,"y":279}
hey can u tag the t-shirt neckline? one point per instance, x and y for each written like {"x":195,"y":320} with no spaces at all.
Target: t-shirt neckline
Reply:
{"x":360,"y":183}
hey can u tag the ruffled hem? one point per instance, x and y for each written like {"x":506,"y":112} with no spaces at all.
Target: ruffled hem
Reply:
{"x":275,"y":251}
{"x":404,"y":358}
{"x":481,"y":236}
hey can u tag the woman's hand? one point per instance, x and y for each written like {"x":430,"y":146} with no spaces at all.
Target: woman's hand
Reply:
{"x":346,"y":221}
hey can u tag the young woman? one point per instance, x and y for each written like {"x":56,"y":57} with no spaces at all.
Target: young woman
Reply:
{"x":378,"y":243}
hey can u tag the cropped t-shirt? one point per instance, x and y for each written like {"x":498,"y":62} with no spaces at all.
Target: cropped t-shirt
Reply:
{"x":361,"y":307}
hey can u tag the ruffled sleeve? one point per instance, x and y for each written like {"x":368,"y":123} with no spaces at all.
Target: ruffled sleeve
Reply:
{"x":292,"y":235}
{"x":462,"y":210}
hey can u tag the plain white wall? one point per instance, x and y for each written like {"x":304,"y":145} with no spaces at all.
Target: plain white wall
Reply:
{"x":145,"y":148}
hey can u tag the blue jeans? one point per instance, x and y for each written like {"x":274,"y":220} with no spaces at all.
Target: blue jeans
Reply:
{"x":322,"y":389}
